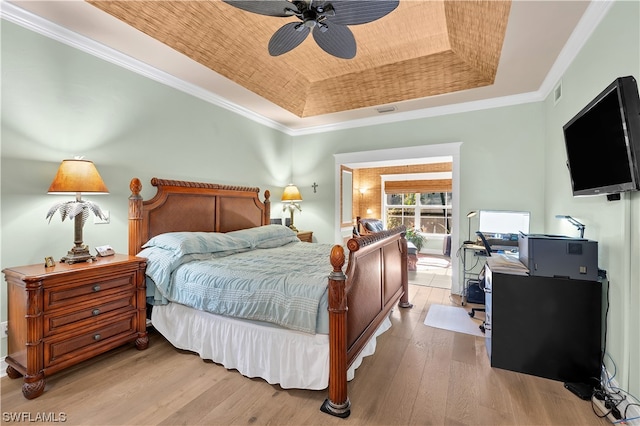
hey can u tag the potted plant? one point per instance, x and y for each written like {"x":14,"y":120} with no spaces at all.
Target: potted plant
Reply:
{"x":415,"y":237}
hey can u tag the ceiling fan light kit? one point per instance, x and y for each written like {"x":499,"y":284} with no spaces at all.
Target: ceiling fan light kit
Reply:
{"x":326,"y":20}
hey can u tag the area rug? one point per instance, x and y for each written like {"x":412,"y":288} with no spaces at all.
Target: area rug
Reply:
{"x":429,"y":263}
{"x":452,"y":318}
{"x":432,"y":271}
{"x":429,"y":279}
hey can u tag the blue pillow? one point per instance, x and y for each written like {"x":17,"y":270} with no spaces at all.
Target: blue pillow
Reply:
{"x":266,"y":236}
{"x":182,"y":243}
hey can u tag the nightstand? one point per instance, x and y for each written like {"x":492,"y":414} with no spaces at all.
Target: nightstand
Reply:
{"x":305,"y":236}
{"x":65,"y":314}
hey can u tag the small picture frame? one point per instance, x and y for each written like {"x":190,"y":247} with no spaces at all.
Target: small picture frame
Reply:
{"x":49,"y":262}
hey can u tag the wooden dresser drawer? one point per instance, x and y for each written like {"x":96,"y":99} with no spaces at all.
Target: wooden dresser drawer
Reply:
{"x":102,"y":308}
{"x":77,"y":292}
{"x":64,"y":347}
{"x":63,"y":314}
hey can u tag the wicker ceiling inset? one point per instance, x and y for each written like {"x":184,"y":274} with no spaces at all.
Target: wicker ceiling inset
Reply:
{"x":423,"y":48}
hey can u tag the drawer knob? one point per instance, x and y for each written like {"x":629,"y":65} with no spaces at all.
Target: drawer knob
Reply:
{"x":96,"y":337}
{"x":95,"y":311}
{"x":96,"y":287}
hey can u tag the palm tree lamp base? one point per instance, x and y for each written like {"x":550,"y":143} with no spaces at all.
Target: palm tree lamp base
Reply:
{"x":77,"y":255}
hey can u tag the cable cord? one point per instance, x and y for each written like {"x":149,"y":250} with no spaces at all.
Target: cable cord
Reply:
{"x":606,"y":322}
{"x":613,"y":397}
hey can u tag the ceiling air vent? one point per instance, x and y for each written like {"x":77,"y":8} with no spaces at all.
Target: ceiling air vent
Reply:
{"x":383,"y":109}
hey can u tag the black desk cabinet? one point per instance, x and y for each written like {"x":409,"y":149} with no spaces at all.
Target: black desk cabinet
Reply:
{"x":547,"y":327}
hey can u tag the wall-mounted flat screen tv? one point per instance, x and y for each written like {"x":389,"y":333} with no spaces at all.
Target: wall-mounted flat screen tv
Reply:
{"x":603,"y":142}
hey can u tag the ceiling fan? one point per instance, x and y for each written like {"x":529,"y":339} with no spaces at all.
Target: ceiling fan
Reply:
{"x":327,"y":19}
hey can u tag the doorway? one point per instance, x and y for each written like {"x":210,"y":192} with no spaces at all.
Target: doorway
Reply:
{"x":402,"y":156}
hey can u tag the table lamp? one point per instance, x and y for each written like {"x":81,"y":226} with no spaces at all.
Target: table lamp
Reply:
{"x":469,"y":216}
{"x":291,"y":196}
{"x":574,"y":222}
{"x":77,"y":176}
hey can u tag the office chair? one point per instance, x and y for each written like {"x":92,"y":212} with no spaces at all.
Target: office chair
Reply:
{"x":474,"y":310}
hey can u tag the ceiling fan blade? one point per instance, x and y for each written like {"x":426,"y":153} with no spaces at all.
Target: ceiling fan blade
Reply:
{"x":266,"y":7}
{"x":288,"y":37}
{"x":355,"y":12}
{"x":337,"y":40}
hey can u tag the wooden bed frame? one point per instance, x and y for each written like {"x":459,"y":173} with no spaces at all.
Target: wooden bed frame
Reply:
{"x":359,"y":300}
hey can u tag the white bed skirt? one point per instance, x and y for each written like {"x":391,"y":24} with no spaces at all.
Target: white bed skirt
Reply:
{"x":280,"y":356}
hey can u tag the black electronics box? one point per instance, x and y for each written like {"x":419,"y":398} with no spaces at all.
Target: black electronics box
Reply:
{"x":474,"y":293}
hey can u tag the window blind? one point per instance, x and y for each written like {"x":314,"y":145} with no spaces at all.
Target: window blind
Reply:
{"x":422,"y":186}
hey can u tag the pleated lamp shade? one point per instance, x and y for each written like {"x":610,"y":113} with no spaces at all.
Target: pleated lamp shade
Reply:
{"x":291,"y":193}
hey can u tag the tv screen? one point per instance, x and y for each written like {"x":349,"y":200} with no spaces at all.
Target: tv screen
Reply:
{"x":603,"y":142}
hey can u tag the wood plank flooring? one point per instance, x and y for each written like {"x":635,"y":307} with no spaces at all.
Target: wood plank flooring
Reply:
{"x":418,"y":375}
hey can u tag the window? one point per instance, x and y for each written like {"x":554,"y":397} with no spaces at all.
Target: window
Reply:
{"x":430,"y":212}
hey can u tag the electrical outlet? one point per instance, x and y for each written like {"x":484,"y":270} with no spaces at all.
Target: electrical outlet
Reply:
{"x":4,"y":329}
{"x":105,"y":214}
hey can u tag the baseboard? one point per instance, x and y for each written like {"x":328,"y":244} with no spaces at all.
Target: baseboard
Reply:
{"x":4,"y":366}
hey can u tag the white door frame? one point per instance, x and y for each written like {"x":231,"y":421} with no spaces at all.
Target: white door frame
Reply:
{"x":404,"y":155}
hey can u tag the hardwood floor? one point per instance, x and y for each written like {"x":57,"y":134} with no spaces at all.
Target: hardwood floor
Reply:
{"x":418,"y":375}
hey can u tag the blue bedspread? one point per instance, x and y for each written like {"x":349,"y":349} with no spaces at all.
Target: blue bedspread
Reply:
{"x":284,"y":284}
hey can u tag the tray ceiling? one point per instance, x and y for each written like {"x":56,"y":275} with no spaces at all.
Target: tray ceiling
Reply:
{"x":423,"y":48}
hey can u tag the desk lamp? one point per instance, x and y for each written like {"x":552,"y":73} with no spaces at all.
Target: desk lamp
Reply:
{"x":291,"y":195}
{"x":469,"y":216}
{"x":574,"y":222}
{"x":77,"y":176}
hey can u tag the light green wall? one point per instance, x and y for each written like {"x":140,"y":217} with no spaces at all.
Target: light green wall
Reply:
{"x":612,"y":51}
{"x":58,"y":102}
{"x":498,"y":146}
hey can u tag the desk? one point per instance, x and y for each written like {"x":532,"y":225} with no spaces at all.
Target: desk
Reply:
{"x":546,"y":327}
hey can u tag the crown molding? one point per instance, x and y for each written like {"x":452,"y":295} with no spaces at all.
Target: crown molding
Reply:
{"x":590,"y":20}
{"x":32,"y":22}
{"x":592,"y":17}
{"x":426,"y":113}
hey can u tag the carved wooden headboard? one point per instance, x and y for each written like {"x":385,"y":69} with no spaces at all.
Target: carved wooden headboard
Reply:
{"x":193,"y":206}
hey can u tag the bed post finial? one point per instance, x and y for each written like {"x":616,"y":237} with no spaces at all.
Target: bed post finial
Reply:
{"x":337,"y":404}
{"x":135,"y":186}
{"x":267,"y":207}
{"x":135,"y":217}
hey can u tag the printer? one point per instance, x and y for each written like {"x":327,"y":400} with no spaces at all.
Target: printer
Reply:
{"x":559,"y":256}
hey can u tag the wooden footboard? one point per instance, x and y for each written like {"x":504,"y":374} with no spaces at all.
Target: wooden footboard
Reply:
{"x":376,"y":278}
